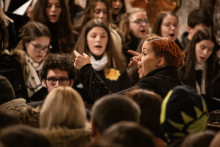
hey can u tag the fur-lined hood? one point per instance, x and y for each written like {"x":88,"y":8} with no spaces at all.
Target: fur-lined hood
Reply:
{"x":26,"y":114}
{"x":64,"y":137}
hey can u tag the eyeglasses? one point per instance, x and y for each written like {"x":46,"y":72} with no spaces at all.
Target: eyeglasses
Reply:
{"x":169,"y":25}
{"x":38,"y":47}
{"x":62,"y":81}
{"x":140,"y":21}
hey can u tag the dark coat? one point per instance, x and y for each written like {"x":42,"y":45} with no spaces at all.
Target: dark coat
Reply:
{"x":122,"y":83}
{"x":160,"y":81}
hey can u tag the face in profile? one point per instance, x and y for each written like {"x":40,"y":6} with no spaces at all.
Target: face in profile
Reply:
{"x":147,"y":60}
{"x":38,"y":48}
{"x":203,"y":50}
{"x":116,"y":6}
{"x":97,"y":39}
{"x":100,"y":11}
{"x":192,"y":31}
{"x":56,"y":78}
{"x":138,"y":24}
{"x":53,"y":10}
{"x":170,"y":27}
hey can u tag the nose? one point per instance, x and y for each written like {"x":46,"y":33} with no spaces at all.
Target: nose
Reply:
{"x":117,"y":3}
{"x":101,"y":15}
{"x":57,"y":84}
{"x":139,"y":57}
{"x":205,"y":52}
{"x":98,"y":38}
{"x":53,"y":8}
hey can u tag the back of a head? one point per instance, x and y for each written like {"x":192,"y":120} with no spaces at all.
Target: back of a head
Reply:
{"x":63,"y":107}
{"x":199,"y":16}
{"x":129,"y":134}
{"x":150,"y":105}
{"x":23,"y":136}
{"x":114,"y":108}
{"x":183,"y":112}
{"x":201,"y":139}
{"x":6,"y":90}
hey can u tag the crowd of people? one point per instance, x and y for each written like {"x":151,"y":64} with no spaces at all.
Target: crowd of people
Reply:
{"x":101,"y":76}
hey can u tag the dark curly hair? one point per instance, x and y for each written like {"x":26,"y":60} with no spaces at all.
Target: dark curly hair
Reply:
{"x":59,"y":61}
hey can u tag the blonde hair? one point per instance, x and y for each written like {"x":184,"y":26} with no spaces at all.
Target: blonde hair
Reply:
{"x":63,"y":107}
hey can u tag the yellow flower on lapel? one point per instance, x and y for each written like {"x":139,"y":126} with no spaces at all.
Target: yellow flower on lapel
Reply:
{"x":113,"y":74}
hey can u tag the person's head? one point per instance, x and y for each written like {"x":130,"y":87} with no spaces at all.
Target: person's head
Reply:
{"x":150,"y":105}
{"x":159,"y":52}
{"x":198,"y":19}
{"x":201,"y":48}
{"x":58,"y":70}
{"x":201,"y":139}
{"x":129,"y":134}
{"x":166,"y":25}
{"x":35,"y":40}
{"x":98,"y":9}
{"x":6,"y":90}
{"x":51,"y":11}
{"x":134,"y":22}
{"x":183,"y":112}
{"x":95,"y":39}
{"x":111,"y":109}
{"x":118,"y":6}
{"x":63,"y":107}
{"x":23,"y":136}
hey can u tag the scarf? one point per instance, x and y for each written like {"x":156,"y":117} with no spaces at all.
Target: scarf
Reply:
{"x":99,"y":64}
{"x":201,"y":88}
{"x":33,"y":82}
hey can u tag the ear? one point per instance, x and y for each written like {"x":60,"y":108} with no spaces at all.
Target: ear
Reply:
{"x":161,"y":62}
{"x":94,"y":131}
{"x":71,"y":83}
{"x":44,"y":83}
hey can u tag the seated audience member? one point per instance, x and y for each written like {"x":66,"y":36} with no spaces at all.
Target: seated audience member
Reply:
{"x":167,"y":25}
{"x":129,"y":134}
{"x":9,"y":67}
{"x":8,"y":118}
{"x":76,"y":11}
{"x":111,"y":109}
{"x":8,"y":102}
{"x":150,"y":105}
{"x":118,"y":8}
{"x":55,"y":15}
{"x":157,"y":68}
{"x":201,"y":69}
{"x":96,"y":41}
{"x":98,"y":9}
{"x":183,"y":112}
{"x":215,"y":141}
{"x":199,"y":139}
{"x":133,"y":26}
{"x":30,"y":52}
{"x":63,"y":118}
{"x":23,"y":136}
{"x":58,"y":70}
{"x":197,"y":19}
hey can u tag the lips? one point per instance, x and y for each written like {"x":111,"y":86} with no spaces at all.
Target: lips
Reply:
{"x":172,"y":35}
{"x":98,"y":46}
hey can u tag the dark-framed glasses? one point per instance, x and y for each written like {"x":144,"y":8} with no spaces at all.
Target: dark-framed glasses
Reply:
{"x":38,"y":47}
{"x":140,"y":21}
{"x":62,"y":81}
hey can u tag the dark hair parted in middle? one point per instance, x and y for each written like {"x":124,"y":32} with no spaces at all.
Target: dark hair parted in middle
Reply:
{"x":115,"y":59}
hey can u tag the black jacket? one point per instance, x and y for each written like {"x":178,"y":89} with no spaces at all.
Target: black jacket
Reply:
{"x":160,"y":81}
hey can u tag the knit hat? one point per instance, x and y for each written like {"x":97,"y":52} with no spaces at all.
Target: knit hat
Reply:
{"x":6,"y":90}
{"x":183,"y":112}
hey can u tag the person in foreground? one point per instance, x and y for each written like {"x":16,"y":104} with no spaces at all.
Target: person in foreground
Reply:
{"x":157,"y":64}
